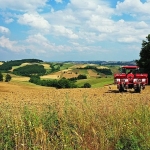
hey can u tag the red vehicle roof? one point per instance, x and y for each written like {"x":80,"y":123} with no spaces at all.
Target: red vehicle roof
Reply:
{"x":130,"y":67}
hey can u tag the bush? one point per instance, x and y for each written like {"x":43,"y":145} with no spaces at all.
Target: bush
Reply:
{"x":87,"y":85}
{"x":1,"y":76}
{"x":81,"y":77}
{"x":62,"y":83}
{"x":7,"y":78}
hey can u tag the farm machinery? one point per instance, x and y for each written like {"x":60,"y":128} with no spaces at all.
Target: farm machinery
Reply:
{"x":130,"y":77}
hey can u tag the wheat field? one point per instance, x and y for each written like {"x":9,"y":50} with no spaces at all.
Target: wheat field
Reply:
{"x":91,"y":119}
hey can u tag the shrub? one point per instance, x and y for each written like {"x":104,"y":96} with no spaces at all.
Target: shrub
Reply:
{"x":81,"y":77}
{"x":87,"y":85}
{"x":7,"y":78}
{"x":1,"y":76}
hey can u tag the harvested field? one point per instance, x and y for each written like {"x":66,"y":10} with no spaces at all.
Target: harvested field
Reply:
{"x":46,"y":66}
{"x":69,"y":74}
{"x":24,"y":64}
{"x":51,"y":76}
{"x":102,"y":67}
{"x":92,"y":73}
{"x":18,"y":78}
{"x":94,"y":119}
{"x":37,"y":95}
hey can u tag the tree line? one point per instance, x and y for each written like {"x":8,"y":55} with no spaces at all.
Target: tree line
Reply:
{"x":105,"y":71}
{"x":61,"y":83}
{"x":6,"y":66}
{"x":29,"y":70}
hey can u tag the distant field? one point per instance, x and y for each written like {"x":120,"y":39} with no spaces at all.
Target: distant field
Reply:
{"x":66,"y":66}
{"x":1,"y":63}
{"x":46,"y":66}
{"x":96,"y":82}
{"x":92,"y":73}
{"x":71,"y":70}
{"x":19,"y":78}
{"x":24,"y":64}
{"x":50,"y":77}
{"x":103,"y":67}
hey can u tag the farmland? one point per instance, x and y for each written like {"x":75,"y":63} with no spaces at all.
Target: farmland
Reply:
{"x":36,"y":117}
{"x":97,"y":118}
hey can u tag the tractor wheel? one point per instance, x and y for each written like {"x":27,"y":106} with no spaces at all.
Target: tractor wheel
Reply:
{"x":138,"y":89}
{"x":121,"y":89}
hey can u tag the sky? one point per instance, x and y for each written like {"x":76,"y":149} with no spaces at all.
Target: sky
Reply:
{"x":73,"y":30}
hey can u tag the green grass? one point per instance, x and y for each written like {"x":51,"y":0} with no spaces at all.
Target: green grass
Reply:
{"x":66,"y":66}
{"x":95,"y":82}
{"x":114,"y":68}
{"x":83,"y":71}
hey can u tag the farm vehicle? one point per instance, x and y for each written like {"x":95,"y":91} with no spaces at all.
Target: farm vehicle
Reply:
{"x":130,"y":77}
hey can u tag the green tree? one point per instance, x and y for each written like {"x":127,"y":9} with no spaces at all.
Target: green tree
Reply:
{"x":87,"y":85}
{"x":144,"y":61}
{"x":7,"y":78}
{"x":1,"y":76}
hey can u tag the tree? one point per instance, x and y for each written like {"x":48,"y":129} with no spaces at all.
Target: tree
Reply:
{"x":87,"y":85}
{"x":7,"y":78}
{"x":81,"y":76}
{"x":144,"y":61}
{"x":1,"y":76}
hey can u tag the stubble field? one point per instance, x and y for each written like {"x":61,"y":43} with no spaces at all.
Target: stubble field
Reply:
{"x":96,"y":118}
{"x":16,"y":95}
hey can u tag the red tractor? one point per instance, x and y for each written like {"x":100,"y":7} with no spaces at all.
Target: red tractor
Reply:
{"x":130,"y":77}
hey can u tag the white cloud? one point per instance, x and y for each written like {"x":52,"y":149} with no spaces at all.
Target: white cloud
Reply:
{"x":83,"y":25}
{"x":9,"y":20}
{"x":141,"y":25}
{"x":128,"y":39}
{"x":61,"y":30}
{"x":4,"y":29}
{"x":22,"y":5}
{"x":38,"y":44}
{"x":133,"y":7}
{"x":81,"y":18}
{"x":34,"y":20}
{"x":6,"y":43}
{"x":37,"y":38}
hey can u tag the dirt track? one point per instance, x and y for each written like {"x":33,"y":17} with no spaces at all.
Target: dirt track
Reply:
{"x":19,"y":95}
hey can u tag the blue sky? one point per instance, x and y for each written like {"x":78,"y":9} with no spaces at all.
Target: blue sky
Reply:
{"x":63,"y":30}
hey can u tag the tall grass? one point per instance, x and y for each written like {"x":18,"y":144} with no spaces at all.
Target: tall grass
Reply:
{"x":81,"y":125}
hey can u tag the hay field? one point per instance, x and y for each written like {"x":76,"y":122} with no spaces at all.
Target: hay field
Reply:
{"x":94,"y":119}
{"x":14,"y":93}
{"x":46,"y":66}
{"x":92,"y":73}
{"x":50,"y":76}
{"x":66,"y":73}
